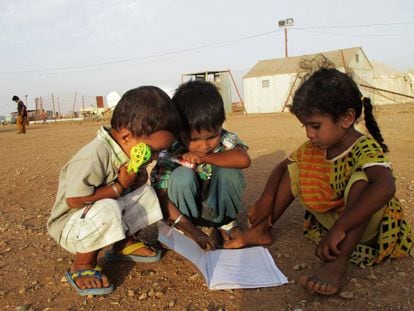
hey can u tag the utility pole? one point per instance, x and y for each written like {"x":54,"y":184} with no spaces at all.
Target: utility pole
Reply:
{"x":285,"y":23}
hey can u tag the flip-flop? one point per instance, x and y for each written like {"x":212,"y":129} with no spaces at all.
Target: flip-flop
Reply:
{"x":96,"y":273}
{"x":126,"y":254}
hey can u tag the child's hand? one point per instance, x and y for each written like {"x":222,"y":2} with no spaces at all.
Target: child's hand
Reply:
{"x":141,"y":179}
{"x":327,"y":250}
{"x":203,"y":240}
{"x":125,"y":178}
{"x":191,"y":157}
{"x":257,"y":212}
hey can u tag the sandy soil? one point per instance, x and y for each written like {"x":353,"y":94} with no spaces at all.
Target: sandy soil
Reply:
{"x":32,"y":265}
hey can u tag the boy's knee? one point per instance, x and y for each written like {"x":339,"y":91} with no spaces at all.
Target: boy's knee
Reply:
{"x":229,"y":175}
{"x":108,"y":207}
{"x":182,"y":176}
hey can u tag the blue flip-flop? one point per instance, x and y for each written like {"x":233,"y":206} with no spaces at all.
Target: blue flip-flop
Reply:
{"x":96,"y":273}
{"x":126,"y":254}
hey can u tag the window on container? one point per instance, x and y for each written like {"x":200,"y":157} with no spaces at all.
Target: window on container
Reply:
{"x":265,"y":83}
{"x":357,"y":58}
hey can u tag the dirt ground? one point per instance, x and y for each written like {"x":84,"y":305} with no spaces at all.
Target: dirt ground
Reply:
{"x":32,"y":265}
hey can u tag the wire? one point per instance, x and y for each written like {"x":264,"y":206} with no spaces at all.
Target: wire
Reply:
{"x":354,"y":34}
{"x":165,"y":55}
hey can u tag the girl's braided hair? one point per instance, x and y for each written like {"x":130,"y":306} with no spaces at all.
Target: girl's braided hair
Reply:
{"x":330,"y":91}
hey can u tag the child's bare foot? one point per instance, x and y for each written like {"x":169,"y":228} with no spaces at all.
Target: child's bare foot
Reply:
{"x":256,"y":215}
{"x":256,"y":235}
{"x":228,"y":235}
{"x":328,"y":279}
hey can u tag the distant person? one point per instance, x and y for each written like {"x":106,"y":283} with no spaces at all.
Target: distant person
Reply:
{"x":342,"y":178}
{"x":43,"y":116}
{"x":21,"y":120}
{"x":99,"y":203}
{"x":199,"y":180}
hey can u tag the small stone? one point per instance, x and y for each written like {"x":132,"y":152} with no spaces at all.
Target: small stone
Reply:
{"x":159,"y":294}
{"x":131,"y":293}
{"x":302,"y":265}
{"x":296,"y":267}
{"x":346,"y":295}
{"x":151,"y":292}
{"x":171,"y":304}
{"x":193,"y":277}
{"x":143,"y":296}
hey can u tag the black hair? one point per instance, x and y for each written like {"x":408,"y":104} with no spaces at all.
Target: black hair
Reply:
{"x":200,"y":105}
{"x":144,"y":111}
{"x":15,"y":98}
{"x":332,"y":92}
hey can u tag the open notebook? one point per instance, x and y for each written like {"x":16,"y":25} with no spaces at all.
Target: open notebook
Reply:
{"x":225,"y":268}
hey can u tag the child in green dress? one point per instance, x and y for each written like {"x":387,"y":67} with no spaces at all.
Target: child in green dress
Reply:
{"x":342,"y":178}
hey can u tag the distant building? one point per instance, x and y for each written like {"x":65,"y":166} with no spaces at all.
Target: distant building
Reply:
{"x":221,"y":79}
{"x":270,"y":85}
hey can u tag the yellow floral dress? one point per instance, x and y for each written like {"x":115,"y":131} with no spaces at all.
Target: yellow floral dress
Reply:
{"x":321,"y":185}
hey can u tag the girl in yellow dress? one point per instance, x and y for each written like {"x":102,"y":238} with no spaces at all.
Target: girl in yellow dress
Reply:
{"x":342,"y":178}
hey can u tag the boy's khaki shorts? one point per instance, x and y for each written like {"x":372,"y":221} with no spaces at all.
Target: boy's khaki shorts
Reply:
{"x":108,"y":221}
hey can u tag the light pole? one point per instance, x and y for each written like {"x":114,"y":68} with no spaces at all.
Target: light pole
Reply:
{"x":285,"y":23}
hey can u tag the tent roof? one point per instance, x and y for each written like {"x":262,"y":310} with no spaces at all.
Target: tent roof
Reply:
{"x":381,"y":69}
{"x":269,"y":67}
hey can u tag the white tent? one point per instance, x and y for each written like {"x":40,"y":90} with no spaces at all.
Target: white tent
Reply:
{"x":391,"y":86}
{"x":270,"y":84}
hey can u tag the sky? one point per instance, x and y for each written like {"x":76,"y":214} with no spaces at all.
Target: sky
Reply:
{"x":79,"y":49}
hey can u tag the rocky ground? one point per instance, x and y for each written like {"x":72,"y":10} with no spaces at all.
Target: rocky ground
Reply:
{"x":32,"y":265}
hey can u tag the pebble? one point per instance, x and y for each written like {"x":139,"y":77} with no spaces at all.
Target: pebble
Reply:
{"x":143,"y":296}
{"x":151,"y":292}
{"x":193,"y":277}
{"x":346,"y":295}
{"x":299,"y":266}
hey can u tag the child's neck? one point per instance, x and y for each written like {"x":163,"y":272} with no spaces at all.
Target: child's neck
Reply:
{"x":347,"y":141}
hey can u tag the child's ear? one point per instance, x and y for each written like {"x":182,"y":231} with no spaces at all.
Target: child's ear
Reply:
{"x":125,"y":135}
{"x":348,"y":119}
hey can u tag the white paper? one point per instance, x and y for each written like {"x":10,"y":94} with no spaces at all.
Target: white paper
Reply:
{"x":251,"y":267}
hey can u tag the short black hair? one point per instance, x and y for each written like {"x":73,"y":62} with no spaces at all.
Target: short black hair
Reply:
{"x":15,"y":98}
{"x":200,"y":105}
{"x":144,"y":111}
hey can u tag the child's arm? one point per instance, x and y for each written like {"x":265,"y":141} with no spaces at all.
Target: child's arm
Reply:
{"x":378,"y":191}
{"x":263,"y":207}
{"x":125,"y":181}
{"x":171,"y":212}
{"x":234,"y":158}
